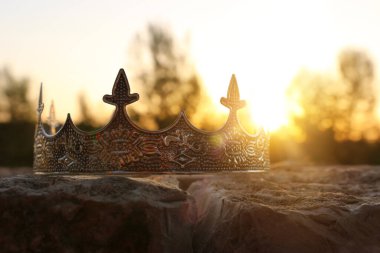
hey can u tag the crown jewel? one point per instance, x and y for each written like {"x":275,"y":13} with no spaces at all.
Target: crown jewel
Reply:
{"x":123,"y":146}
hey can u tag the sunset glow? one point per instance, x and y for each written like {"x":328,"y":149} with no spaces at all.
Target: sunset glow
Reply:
{"x":79,"y":46}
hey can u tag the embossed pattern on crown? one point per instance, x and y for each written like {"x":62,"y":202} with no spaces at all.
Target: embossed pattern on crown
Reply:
{"x":123,"y":146}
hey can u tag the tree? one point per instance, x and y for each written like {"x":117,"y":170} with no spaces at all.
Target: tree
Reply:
{"x":357,"y":71}
{"x":170,"y":81}
{"x":344,"y":104}
{"x":17,"y":131}
{"x":335,"y":114}
{"x":17,"y":107}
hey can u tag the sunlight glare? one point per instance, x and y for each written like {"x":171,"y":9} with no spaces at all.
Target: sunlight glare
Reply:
{"x":267,"y":109}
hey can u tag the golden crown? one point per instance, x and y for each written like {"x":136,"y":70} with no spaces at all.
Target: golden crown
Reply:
{"x":121,"y":146}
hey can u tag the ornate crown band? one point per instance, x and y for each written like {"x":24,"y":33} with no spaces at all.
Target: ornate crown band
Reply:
{"x":121,"y":146}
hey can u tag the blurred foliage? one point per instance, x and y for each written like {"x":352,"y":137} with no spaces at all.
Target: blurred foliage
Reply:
{"x":17,"y":130}
{"x":170,"y":82}
{"x":16,"y":106}
{"x":16,"y":143}
{"x":335,"y":114}
{"x":345,"y":105}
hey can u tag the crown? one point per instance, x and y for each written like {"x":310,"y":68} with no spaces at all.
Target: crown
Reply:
{"x":121,"y":146}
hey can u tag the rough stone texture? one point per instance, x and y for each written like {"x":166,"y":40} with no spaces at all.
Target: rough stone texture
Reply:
{"x":288,"y":209}
{"x":90,"y":214}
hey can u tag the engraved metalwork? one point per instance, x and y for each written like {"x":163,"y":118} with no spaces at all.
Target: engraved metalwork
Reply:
{"x":182,"y":157}
{"x":121,"y":146}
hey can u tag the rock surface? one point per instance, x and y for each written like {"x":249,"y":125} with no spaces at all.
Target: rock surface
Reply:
{"x":288,"y":209}
{"x":91,"y":214}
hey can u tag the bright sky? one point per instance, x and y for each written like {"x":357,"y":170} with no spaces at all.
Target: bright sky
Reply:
{"x":74,"y":46}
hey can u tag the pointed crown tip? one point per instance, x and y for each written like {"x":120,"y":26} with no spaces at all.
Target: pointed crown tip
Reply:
{"x":40,"y":99}
{"x":121,"y":74}
{"x":233,"y":89}
{"x":233,"y":81}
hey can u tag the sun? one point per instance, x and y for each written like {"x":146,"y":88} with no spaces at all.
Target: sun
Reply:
{"x":269,"y":117}
{"x":268,"y":109}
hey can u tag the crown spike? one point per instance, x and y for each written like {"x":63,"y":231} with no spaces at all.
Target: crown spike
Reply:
{"x":233,"y":96}
{"x":40,"y":106}
{"x":233,"y":90}
{"x":68,"y":118}
{"x":121,"y":94}
{"x":40,"y":96}
{"x":52,"y":121}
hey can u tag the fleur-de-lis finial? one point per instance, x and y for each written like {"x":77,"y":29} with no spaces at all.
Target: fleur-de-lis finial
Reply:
{"x":121,"y":94}
{"x":233,"y":96}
